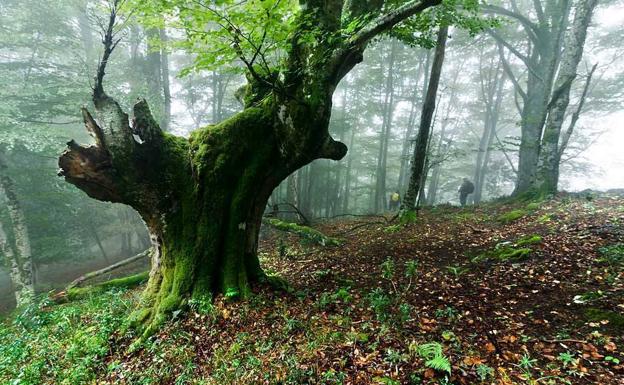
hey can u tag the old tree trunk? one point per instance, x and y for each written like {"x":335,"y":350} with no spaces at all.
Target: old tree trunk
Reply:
{"x":202,"y":198}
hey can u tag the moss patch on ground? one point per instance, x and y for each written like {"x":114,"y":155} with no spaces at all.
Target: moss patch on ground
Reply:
{"x":511,"y":216}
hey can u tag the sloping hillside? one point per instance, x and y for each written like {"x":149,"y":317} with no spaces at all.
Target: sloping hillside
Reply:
{"x":498,"y":294}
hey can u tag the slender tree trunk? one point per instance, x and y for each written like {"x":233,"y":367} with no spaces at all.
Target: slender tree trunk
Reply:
{"x":438,"y":157}
{"x":98,"y":241}
{"x":164,"y":65}
{"x":492,"y":94}
{"x":423,"y":68}
{"x":18,"y":259}
{"x":384,"y":137}
{"x":420,"y":148}
{"x":437,"y":168}
{"x":153,"y":73}
{"x":347,"y":185}
{"x":548,"y":170}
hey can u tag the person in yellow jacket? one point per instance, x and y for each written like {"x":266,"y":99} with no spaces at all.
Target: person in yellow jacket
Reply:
{"x":395,"y":201}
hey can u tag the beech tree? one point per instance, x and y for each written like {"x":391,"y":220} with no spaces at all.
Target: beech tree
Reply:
{"x":17,"y":257}
{"x":551,"y":55}
{"x":202,"y":198}
{"x":553,"y":145}
{"x":419,"y":168}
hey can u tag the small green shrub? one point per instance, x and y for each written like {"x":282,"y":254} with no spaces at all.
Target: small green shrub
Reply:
{"x":567,"y":359}
{"x":447,"y":312}
{"x":202,"y":305}
{"x":380,"y":303}
{"x":387,"y":269}
{"x":411,"y":268}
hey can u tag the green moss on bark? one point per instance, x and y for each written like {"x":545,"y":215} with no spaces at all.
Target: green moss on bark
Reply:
{"x":207,"y":230}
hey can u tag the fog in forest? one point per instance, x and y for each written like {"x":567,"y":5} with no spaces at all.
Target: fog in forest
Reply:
{"x":460,"y":108}
{"x":48,"y":56}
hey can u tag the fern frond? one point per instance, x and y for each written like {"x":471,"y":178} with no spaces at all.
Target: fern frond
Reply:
{"x":439,"y":363}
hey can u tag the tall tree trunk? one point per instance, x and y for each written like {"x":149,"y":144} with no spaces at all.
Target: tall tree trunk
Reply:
{"x":542,"y":61}
{"x":432,"y":191}
{"x":436,"y":162}
{"x":492,"y":95}
{"x":384,"y":137}
{"x":347,"y":184}
{"x":423,"y":69}
{"x":98,"y":241}
{"x":153,"y":72}
{"x":164,"y":70}
{"x":422,"y":140}
{"x":548,"y":171}
{"x":18,"y":259}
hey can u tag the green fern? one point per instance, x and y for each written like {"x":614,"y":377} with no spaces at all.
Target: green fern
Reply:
{"x":439,"y":363}
{"x":434,"y":357}
{"x":430,"y":350}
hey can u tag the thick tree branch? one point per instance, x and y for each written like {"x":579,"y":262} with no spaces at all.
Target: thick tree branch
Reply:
{"x":389,"y":20}
{"x":577,"y":113}
{"x":346,"y":58}
{"x":530,"y":27}
{"x":537,"y":4}
{"x":510,"y":73}
{"x":511,"y":48}
{"x":333,"y":149}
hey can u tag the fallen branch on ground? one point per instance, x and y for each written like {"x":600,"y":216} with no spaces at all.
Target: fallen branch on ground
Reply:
{"x":303,"y":231}
{"x":107,"y":269}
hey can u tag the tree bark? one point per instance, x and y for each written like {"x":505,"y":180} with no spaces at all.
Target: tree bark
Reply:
{"x":549,"y":160}
{"x":422,"y":140}
{"x":384,"y":136}
{"x":164,"y":66}
{"x":18,"y":259}
{"x":492,"y":95}
{"x":541,"y":61}
{"x":98,"y":241}
{"x":423,"y":68}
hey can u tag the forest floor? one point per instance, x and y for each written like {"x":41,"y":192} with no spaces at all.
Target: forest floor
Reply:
{"x":503,"y":293}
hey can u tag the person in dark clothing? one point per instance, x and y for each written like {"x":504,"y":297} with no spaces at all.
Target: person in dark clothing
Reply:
{"x":465,"y":189}
{"x":395,"y":201}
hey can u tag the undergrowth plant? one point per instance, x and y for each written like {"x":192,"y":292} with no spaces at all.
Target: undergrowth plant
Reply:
{"x":63,"y":344}
{"x":433,"y":355}
{"x":381,"y":301}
